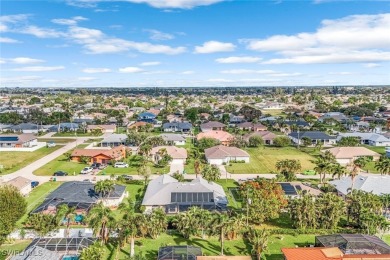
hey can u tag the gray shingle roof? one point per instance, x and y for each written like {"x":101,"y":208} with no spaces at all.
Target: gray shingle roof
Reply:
{"x":314,"y":135}
{"x":173,"y":137}
{"x":115,"y":138}
{"x":222,"y":152}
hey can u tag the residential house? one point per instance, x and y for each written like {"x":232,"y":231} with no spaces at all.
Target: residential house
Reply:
{"x":174,"y":118}
{"x":223,"y":137}
{"x":250,"y":126}
{"x":272,"y":105}
{"x":102,"y":128}
{"x":26,"y":128}
{"x":267,"y":136}
{"x":219,"y":155}
{"x":234,"y":120}
{"x":367,"y":138}
{"x":64,"y":127}
{"x":315,"y":136}
{"x":147,"y":117}
{"x":388,"y":152}
{"x":346,"y":155}
{"x":212,"y":125}
{"x":174,"y":139}
{"x":173,"y":196}
{"x":156,"y":112}
{"x":333,"y":116}
{"x":103,"y":156}
{"x":82,"y":196}
{"x":183,"y":127}
{"x":114,"y":140}
{"x":137,"y":110}
{"x":376,"y":184}
{"x":18,"y":141}
{"x":179,"y":155}
{"x":312,"y":253}
{"x":22,"y":184}
{"x":5,"y":127}
{"x":137,"y":126}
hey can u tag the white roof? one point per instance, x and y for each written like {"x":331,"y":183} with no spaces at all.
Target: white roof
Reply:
{"x":376,"y":184}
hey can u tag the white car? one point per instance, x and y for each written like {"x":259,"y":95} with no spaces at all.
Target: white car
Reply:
{"x":121,"y":165}
{"x":86,"y":170}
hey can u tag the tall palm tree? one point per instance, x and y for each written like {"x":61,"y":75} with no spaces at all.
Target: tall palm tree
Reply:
{"x":157,"y":223}
{"x":104,"y":187}
{"x":383,"y":165}
{"x":69,"y":215}
{"x":197,"y":167}
{"x":211,"y":173}
{"x":101,"y":219}
{"x":338,"y":170}
{"x":219,"y":226}
{"x":128,"y":225}
{"x":259,"y":241}
{"x":322,"y":168}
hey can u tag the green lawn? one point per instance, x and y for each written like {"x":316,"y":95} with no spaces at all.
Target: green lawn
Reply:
{"x":12,"y":249}
{"x":378,"y":149}
{"x":72,"y":134}
{"x":56,"y":140}
{"x":370,"y":167}
{"x":134,"y":163}
{"x":263,"y":160}
{"x":148,"y":248}
{"x":273,"y":112}
{"x":60,"y":164}
{"x":13,"y":161}
{"x":386,"y":238}
{"x":228,"y":184}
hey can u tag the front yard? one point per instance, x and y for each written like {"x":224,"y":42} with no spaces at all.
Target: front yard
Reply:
{"x":263,"y":160}
{"x":13,"y":161}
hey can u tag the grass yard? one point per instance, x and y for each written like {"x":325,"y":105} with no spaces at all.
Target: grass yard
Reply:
{"x":148,"y":248}
{"x":60,"y":164}
{"x":263,"y":160}
{"x":13,"y":161}
{"x":228,"y":185}
{"x":370,"y":167}
{"x":36,"y":196}
{"x":386,"y":238}
{"x":12,"y":249}
{"x":273,"y":112}
{"x":134,"y":163}
{"x":72,"y":134}
{"x":56,"y":140}
{"x":378,"y":149}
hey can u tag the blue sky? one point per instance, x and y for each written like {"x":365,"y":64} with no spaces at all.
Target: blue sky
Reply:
{"x":135,"y":43}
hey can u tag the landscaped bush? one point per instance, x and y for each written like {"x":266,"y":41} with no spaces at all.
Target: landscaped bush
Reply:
{"x":238,"y":161}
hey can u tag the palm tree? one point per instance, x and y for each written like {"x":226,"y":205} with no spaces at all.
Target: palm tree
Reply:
{"x":128,"y":225}
{"x":322,"y":167}
{"x":338,"y":170}
{"x":197,"y":167}
{"x":383,"y":165}
{"x":219,"y":226}
{"x":104,"y":187}
{"x":94,"y":251}
{"x":211,"y":173}
{"x":70,"y":213}
{"x":145,"y":172}
{"x":157,"y":223}
{"x":259,"y":241}
{"x":101,"y":220}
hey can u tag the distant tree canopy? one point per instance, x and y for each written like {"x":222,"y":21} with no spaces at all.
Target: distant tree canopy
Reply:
{"x":250,"y":112}
{"x":349,"y":141}
{"x":282,"y":141}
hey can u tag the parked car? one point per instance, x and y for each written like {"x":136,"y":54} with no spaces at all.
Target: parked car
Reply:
{"x":127,"y":177}
{"x":121,"y":165}
{"x":51,"y":144}
{"x":34,"y":184}
{"x":60,"y":173}
{"x":86,"y":170}
{"x":96,"y":165}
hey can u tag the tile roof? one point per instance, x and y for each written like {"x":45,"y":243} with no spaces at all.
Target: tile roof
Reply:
{"x":351,"y":152}
{"x":216,"y":134}
{"x":115,"y":138}
{"x":19,"y":182}
{"x":173,"y":151}
{"x":113,"y":153}
{"x":173,"y":137}
{"x":221,"y":152}
{"x":312,"y":253}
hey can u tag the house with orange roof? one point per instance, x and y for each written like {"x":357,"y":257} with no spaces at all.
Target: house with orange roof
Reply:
{"x":223,"y":137}
{"x":103,"y":156}
{"x":345,"y":155}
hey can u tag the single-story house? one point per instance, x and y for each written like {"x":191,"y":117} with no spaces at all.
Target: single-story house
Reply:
{"x":63,"y":127}
{"x":222,"y":136}
{"x":220,"y":154}
{"x":346,"y":155}
{"x":18,"y":141}
{"x":337,"y":116}
{"x":5,"y":127}
{"x":212,"y":125}
{"x":173,"y":139}
{"x":183,"y":127}
{"x":26,"y":128}
{"x":312,"y":253}
{"x":82,"y":195}
{"x":179,"y":155}
{"x":376,"y":184}
{"x":367,"y":138}
{"x":147,"y":117}
{"x":22,"y":184}
{"x":233,"y":119}
{"x":156,"y":112}
{"x":315,"y":136}
{"x":250,"y":126}
{"x":267,"y":136}
{"x":137,"y":110}
{"x":104,"y":156}
{"x":103,"y":128}
{"x":137,"y":126}
{"x":173,"y":196}
{"x":114,"y":140}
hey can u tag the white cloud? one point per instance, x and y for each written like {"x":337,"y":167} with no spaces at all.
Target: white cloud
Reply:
{"x":188,"y":72}
{"x":39,"y":68}
{"x":96,"y":70}
{"x":157,"y":72}
{"x":72,"y":21}
{"x":371,"y":65}
{"x":341,"y":73}
{"x":158,"y":35}
{"x":20,"y":79}
{"x":85,"y":78}
{"x":23,"y":60}
{"x":8,"y":40}
{"x":150,"y":63}
{"x":235,"y":59}
{"x":355,"y":38}
{"x":246,"y":71}
{"x":130,"y":70}
{"x":215,"y":46}
{"x":180,"y":4}
{"x":42,"y":32}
